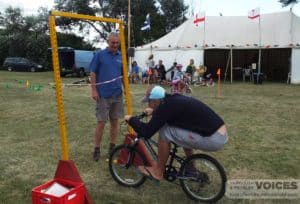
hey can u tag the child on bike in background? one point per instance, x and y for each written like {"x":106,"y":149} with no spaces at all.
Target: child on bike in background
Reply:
{"x":183,"y":120}
{"x":178,"y":83}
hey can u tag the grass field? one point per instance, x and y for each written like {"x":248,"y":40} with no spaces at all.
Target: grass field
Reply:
{"x":263,"y":123}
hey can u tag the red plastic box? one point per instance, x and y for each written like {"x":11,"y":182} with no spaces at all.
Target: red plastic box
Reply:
{"x":74,"y":196}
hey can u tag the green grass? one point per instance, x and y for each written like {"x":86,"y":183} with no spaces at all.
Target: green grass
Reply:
{"x":262,"y":120}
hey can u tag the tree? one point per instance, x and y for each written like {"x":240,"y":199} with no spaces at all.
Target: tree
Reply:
{"x":74,"y":41}
{"x":139,"y":10}
{"x":88,"y":7}
{"x":12,"y":20}
{"x":4,"y":46}
{"x":109,"y":9}
{"x":27,"y":36}
{"x":39,"y":22}
{"x":165,"y":15}
{"x":174,"y":12}
{"x":14,"y":25}
{"x":285,"y":3}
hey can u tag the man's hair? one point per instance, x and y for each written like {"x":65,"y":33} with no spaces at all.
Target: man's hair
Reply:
{"x":113,"y":34}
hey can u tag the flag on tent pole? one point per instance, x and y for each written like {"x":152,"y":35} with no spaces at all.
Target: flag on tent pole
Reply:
{"x":199,"y":18}
{"x":254,"y":13}
{"x":146,"y":26}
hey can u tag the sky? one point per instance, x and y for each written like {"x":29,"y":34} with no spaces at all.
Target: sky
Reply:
{"x":210,"y":7}
{"x":238,"y":7}
{"x":28,"y":6}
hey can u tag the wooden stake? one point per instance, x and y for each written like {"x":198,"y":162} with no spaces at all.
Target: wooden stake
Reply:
{"x":219,"y":82}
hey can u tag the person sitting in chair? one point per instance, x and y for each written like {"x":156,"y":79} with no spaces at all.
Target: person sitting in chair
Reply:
{"x":201,"y":71}
{"x":177,"y":81}
{"x":135,"y":69}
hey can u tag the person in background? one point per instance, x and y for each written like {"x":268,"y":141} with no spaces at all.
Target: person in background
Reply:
{"x":106,"y":83}
{"x":178,"y":80}
{"x":190,"y":70}
{"x":172,"y":70}
{"x":201,"y":71}
{"x":135,"y":69}
{"x":145,"y":75}
{"x":151,"y":69}
{"x":161,"y":71}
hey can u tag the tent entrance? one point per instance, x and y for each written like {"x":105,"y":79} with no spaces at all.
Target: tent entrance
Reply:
{"x":275,"y":63}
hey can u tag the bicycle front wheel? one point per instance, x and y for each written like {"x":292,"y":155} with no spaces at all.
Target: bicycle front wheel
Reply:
{"x":123,"y":163}
{"x":203,"y":178}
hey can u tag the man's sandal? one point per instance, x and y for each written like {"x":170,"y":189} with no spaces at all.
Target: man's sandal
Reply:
{"x":145,"y":171}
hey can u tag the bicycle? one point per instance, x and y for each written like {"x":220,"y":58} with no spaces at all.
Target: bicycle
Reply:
{"x":201,"y":176}
{"x":180,"y":86}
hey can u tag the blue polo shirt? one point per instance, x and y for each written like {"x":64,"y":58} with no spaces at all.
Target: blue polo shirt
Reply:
{"x":135,"y":69}
{"x":108,"y":67}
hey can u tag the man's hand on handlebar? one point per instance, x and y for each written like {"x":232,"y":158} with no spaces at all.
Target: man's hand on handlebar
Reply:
{"x":127,"y":118}
{"x":146,"y":112}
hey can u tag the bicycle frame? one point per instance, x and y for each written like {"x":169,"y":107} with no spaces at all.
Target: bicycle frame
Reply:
{"x":132,"y":141}
{"x":145,"y":147}
{"x":150,"y":149}
{"x":173,"y":156}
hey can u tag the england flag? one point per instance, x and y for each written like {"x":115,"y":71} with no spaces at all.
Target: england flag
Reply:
{"x":254,"y":13}
{"x":199,"y":18}
{"x":146,"y":26}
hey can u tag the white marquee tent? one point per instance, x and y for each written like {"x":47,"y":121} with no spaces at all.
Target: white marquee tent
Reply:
{"x":276,"y":30}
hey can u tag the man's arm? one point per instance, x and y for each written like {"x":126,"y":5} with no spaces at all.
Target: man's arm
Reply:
{"x":95,"y":94}
{"x":147,"y":130}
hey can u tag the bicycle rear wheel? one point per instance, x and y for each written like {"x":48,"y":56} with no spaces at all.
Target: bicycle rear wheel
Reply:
{"x":203,"y":178}
{"x":123,"y":163}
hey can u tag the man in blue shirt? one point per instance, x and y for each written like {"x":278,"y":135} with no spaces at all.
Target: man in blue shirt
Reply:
{"x":106,"y":80}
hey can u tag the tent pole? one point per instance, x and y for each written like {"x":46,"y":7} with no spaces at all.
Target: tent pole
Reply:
{"x":259,"y":51}
{"x":227,"y":65}
{"x":292,"y":49}
{"x":203,"y":45}
{"x":259,"y":65}
{"x":231,"y":66}
{"x":203,"y":57}
{"x":129,"y":22}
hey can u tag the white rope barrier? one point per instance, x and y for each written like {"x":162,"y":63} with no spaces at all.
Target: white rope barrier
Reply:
{"x":97,"y":84}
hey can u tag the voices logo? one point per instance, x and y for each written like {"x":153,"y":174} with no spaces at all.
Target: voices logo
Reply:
{"x":263,"y":189}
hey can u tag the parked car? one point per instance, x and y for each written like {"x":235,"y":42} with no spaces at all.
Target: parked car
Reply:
{"x":21,"y":64}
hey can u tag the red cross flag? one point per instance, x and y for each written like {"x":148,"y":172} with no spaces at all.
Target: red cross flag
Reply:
{"x":199,"y":18}
{"x":254,"y":13}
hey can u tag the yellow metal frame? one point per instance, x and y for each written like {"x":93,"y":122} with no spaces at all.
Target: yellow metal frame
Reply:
{"x":59,"y":98}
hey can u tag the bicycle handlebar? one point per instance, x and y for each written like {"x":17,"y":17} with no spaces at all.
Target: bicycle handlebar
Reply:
{"x":139,"y":117}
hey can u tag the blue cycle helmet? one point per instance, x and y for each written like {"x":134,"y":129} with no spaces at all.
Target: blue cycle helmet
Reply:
{"x":157,"y":93}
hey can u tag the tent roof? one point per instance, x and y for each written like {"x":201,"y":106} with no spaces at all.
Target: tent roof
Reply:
{"x":277,"y":30}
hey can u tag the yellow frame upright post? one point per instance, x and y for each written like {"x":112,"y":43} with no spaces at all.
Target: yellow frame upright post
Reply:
{"x":56,"y":70}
